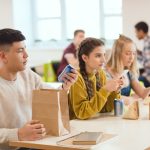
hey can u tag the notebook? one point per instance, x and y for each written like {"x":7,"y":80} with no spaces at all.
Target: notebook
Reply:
{"x":87,"y":138}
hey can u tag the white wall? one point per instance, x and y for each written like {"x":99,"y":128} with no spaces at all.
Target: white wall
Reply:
{"x":10,"y":18}
{"x":133,"y":12}
{"x":6,"y":14}
{"x":37,"y":57}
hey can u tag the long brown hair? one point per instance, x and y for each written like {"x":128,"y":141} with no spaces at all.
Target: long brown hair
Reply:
{"x":85,"y":48}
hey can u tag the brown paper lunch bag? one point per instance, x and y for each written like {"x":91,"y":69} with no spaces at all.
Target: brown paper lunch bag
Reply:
{"x":131,"y":111}
{"x":50,"y":106}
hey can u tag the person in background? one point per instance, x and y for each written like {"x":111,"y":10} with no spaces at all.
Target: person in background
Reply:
{"x":16,"y":85}
{"x":123,"y":57}
{"x":141,"y":30}
{"x":69,"y":55}
{"x":91,"y":93}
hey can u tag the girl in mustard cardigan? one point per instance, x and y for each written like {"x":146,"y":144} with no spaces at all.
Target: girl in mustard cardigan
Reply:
{"x":91,"y":93}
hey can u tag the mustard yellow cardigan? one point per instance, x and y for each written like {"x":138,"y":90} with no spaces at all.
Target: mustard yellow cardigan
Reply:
{"x":81,"y":107}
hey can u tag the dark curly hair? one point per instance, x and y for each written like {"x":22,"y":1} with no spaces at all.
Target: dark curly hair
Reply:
{"x":85,"y":48}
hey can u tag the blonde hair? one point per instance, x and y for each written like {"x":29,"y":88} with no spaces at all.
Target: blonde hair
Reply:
{"x":115,"y":59}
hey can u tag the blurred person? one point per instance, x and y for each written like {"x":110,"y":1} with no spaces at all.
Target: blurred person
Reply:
{"x":141,"y":30}
{"x":69,"y":55}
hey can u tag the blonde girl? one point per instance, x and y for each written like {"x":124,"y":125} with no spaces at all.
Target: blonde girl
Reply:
{"x":124,"y":57}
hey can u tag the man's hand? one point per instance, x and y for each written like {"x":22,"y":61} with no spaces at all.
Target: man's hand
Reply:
{"x":31,"y":131}
{"x":69,"y":79}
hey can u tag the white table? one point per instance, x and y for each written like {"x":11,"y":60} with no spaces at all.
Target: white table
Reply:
{"x":131,"y":134}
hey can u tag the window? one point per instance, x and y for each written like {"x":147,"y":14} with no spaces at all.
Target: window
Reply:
{"x":111,"y":18}
{"x":83,"y":14}
{"x":57,"y":19}
{"x":112,"y":6}
{"x":113,"y":27}
{"x":48,"y":20}
{"x":48,"y":8}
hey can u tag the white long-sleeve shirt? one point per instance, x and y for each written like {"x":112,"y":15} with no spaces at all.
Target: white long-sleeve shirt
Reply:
{"x":16,"y":105}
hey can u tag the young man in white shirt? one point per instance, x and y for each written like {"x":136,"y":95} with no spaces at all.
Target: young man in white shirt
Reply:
{"x":16,"y":85}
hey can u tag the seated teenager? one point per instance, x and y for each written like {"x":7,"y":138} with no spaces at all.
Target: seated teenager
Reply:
{"x":91,"y":93}
{"x":123,"y":57}
{"x":16,"y":85}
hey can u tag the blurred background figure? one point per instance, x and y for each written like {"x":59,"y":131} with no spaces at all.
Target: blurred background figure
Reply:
{"x":141,"y":30}
{"x":69,"y":55}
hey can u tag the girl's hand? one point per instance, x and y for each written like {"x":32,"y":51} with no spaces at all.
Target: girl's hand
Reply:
{"x":113,"y":85}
